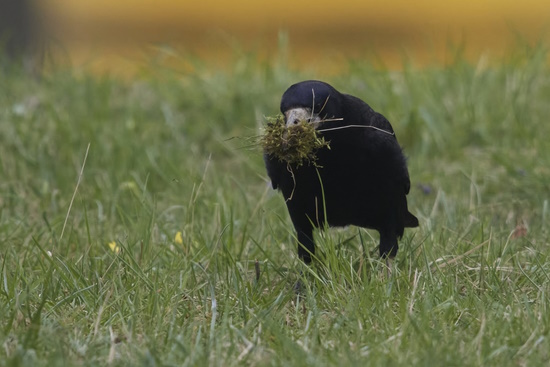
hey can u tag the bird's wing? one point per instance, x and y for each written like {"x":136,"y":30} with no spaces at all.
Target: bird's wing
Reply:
{"x":390,"y":148}
{"x":379,"y":121}
{"x":397,"y":164}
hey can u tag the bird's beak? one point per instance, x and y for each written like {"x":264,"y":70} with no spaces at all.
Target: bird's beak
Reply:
{"x":295,"y":115}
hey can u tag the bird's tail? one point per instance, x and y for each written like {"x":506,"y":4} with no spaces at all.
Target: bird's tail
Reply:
{"x":410,"y":220}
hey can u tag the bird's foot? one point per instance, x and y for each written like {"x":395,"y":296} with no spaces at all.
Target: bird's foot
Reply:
{"x":389,"y":267}
{"x":299,"y":288}
{"x":386,"y":270}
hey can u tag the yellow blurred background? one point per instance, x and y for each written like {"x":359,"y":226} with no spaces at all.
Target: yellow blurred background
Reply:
{"x":121,"y":36}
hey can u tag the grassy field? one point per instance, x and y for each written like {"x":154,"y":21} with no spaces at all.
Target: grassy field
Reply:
{"x":133,"y":212}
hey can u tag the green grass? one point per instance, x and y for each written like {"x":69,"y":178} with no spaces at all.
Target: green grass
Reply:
{"x":169,"y":152}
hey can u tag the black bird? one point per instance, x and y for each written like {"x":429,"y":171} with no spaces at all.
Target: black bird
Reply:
{"x":361,"y":180}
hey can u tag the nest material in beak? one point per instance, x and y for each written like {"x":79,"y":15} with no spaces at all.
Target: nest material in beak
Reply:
{"x":295,"y":144}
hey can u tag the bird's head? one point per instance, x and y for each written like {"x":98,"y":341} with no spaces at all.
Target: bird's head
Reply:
{"x":312,"y":101}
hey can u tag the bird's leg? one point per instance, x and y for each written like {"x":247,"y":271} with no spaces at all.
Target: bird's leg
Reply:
{"x":388,"y":244}
{"x":306,"y":249}
{"x":388,"y":250}
{"x":306,"y":246}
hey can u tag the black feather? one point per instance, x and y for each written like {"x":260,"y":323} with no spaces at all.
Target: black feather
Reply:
{"x":361,"y":180}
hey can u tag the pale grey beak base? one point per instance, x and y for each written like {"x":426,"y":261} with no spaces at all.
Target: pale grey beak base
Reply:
{"x":295,"y":115}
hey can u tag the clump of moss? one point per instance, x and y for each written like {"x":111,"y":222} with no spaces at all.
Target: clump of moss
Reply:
{"x":296,"y":144}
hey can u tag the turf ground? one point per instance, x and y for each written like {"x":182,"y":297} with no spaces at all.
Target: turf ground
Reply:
{"x":133,"y":213}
